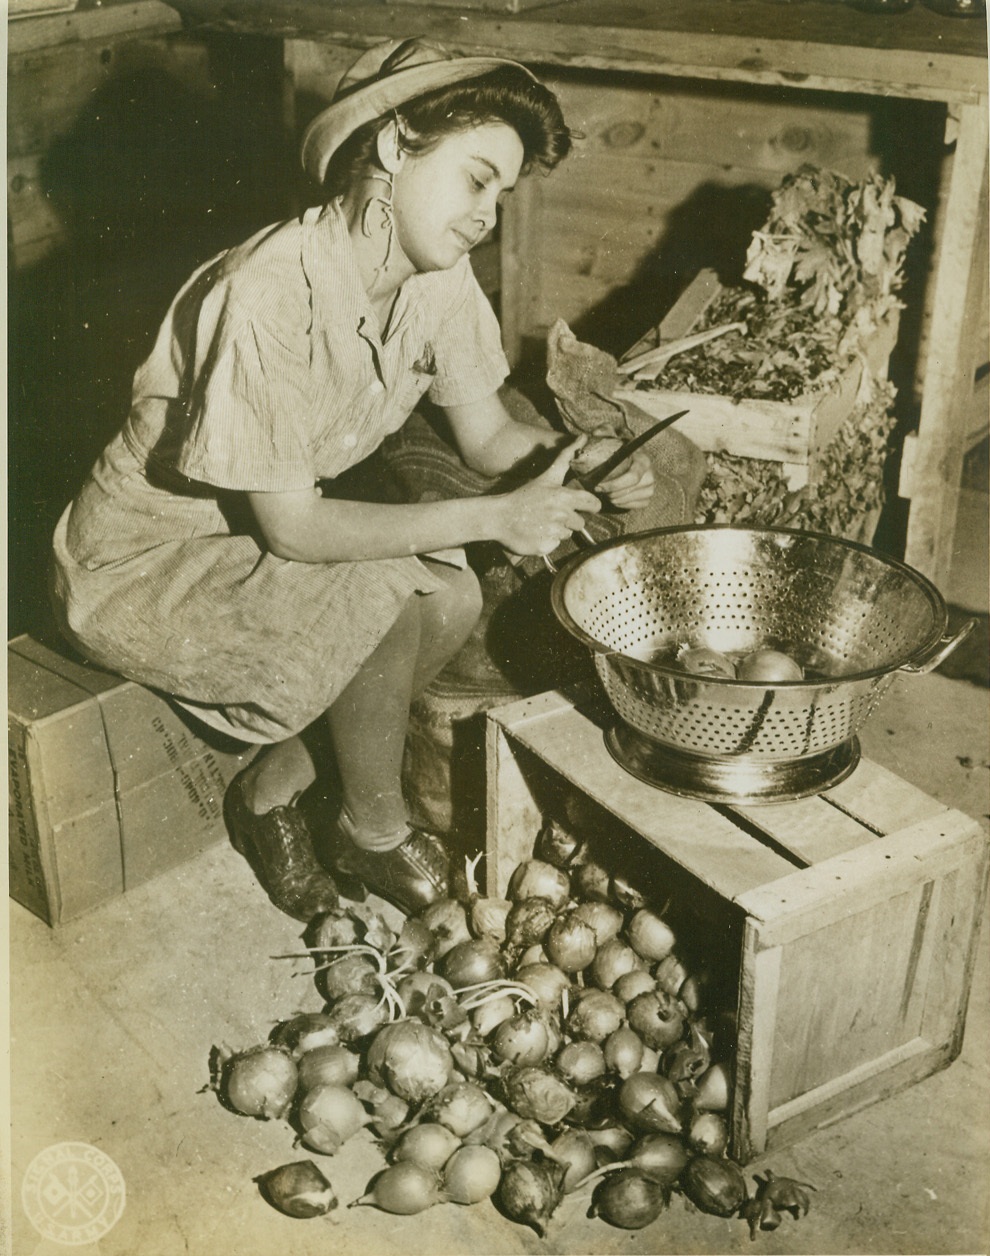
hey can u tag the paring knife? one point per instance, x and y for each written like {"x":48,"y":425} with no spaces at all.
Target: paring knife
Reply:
{"x":590,"y":479}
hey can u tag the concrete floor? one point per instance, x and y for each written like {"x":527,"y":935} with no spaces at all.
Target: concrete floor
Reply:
{"x":113,"y":1018}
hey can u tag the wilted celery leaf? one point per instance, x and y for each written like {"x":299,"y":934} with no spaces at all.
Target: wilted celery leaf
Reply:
{"x":824,"y":269}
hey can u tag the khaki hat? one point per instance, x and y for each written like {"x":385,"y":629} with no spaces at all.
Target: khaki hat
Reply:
{"x":387,"y":75}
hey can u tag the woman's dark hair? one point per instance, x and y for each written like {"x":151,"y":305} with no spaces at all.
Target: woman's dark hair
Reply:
{"x":506,"y":95}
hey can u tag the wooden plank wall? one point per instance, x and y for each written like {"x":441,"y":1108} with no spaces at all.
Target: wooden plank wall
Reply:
{"x":665,"y":179}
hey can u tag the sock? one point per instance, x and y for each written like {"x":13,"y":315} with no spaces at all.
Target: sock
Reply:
{"x":378,"y":843}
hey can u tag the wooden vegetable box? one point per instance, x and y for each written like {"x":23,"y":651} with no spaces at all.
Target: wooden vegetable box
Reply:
{"x":793,"y":433}
{"x":849,"y":920}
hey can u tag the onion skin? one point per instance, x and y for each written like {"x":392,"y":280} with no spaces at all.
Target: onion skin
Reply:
{"x":462,"y":1107}
{"x":298,"y":1189}
{"x":471,"y":1175}
{"x":629,"y":1199}
{"x":261,"y":1082}
{"x":447,"y":921}
{"x":714,"y":1185}
{"x":536,"y":879}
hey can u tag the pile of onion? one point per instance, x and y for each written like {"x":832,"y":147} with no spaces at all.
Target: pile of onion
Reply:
{"x":521,"y":1049}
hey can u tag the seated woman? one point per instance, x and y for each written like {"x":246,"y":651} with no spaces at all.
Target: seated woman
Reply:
{"x":202,"y":556}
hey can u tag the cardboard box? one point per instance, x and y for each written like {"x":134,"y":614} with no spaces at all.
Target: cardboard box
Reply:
{"x":846,"y":924}
{"x":108,"y":784}
{"x":792,"y":433}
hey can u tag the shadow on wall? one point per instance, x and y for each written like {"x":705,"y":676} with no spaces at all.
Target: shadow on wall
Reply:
{"x":151,"y":180}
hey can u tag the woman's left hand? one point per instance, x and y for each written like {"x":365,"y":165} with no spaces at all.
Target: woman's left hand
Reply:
{"x":631,"y":485}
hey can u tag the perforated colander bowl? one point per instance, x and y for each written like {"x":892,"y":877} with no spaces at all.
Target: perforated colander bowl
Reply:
{"x":850,"y":617}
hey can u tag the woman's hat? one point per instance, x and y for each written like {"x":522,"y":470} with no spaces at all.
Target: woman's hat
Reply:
{"x":387,"y":75}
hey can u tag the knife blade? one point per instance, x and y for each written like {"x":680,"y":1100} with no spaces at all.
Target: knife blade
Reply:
{"x":590,"y":479}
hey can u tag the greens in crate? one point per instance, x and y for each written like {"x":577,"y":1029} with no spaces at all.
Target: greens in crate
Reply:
{"x":821,"y":275}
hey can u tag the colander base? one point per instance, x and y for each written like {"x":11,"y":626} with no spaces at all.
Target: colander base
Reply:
{"x":743,"y":780}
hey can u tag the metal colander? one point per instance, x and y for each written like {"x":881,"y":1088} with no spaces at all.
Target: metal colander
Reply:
{"x":851,"y":618}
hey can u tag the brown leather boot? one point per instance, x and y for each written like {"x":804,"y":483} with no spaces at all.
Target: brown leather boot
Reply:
{"x":279,"y":847}
{"x":412,"y":876}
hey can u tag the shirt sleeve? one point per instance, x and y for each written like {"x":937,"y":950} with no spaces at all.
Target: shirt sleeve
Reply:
{"x":248,"y":407}
{"x":470,"y":361}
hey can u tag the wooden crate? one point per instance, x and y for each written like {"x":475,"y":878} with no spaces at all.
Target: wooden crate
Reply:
{"x":793,"y":433}
{"x":851,"y":917}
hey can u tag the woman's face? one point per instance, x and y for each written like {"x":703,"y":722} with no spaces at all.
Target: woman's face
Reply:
{"x":445,"y":200}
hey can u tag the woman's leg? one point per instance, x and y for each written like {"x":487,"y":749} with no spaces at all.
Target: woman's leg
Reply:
{"x":369,"y":720}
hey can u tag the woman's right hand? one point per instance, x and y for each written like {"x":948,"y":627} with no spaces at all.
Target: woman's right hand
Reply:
{"x":535,"y":518}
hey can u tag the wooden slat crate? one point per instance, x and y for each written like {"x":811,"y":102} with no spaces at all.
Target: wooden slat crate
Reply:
{"x":851,"y":917}
{"x":792,"y":433}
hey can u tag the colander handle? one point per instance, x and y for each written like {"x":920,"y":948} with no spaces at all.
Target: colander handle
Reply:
{"x":943,"y":648}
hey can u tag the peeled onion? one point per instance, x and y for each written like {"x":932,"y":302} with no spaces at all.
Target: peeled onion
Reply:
{"x":705,"y":662}
{"x":768,"y":667}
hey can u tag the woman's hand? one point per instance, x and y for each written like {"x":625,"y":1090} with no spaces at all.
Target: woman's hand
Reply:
{"x":535,"y":519}
{"x":631,"y":485}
